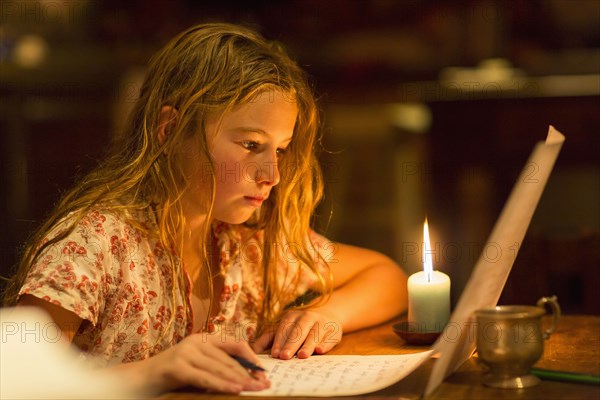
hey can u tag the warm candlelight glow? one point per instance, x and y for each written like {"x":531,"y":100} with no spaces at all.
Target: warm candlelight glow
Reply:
{"x":427,"y":263}
{"x":428,"y":293}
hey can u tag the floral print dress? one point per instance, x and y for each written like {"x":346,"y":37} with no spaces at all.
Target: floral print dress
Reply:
{"x":121,"y":282}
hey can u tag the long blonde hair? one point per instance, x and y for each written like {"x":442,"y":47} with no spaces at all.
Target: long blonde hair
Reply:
{"x":207,"y":68}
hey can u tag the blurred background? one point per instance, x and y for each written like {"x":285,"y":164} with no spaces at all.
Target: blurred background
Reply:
{"x":431,"y":109}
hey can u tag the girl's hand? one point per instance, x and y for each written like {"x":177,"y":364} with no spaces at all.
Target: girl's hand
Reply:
{"x":203,"y":361}
{"x":301,"y":332}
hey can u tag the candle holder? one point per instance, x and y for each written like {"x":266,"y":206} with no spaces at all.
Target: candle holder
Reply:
{"x":412,"y":335}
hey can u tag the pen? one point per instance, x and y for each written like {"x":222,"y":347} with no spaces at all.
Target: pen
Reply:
{"x":247,"y":364}
{"x":566,"y":376}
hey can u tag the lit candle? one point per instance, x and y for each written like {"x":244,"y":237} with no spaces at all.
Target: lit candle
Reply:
{"x":428,"y":294}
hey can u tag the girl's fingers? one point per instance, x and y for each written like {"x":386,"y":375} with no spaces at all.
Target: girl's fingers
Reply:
{"x":305,"y":333}
{"x":264,"y":341}
{"x":204,"y":379}
{"x":321,"y":338}
{"x":221,"y":363}
{"x":308,"y":348}
{"x":199,"y":361}
{"x":286,"y":331}
{"x":331,"y":337}
{"x":257,"y":380}
{"x":213,"y":367}
{"x":290,"y":336}
{"x":241,"y":349}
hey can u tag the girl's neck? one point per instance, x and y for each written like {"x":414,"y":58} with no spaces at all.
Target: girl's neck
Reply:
{"x":192,"y":237}
{"x":195,"y":223}
{"x":194,"y":229}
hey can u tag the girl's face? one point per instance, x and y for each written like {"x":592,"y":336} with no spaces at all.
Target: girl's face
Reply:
{"x":245,"y":145}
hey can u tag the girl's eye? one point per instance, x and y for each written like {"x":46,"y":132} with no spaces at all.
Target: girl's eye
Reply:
{"x":255,"y":146}
{"x":250,"y":145}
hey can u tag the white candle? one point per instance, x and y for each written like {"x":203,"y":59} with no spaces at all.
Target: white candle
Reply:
{"x":428,"y":294}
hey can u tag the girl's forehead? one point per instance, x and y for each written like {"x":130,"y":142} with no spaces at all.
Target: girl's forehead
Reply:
{"x":271,"y":95}
{"x":268,"y":103}
{"x":269,"y":111}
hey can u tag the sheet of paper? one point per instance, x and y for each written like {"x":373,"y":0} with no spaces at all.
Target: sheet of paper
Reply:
{"x":487,"y":280}
{"x":332,"y":375}
{"x":36,"y":362}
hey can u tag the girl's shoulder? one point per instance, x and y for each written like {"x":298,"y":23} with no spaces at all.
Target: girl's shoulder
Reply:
{"x":102,"y":235}
{"x":122,"y":219}
{"x":106,"y":222}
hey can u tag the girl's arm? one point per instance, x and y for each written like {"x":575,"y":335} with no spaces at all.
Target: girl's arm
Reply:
{"x":198,"y":360}
{"x":369,"y":288}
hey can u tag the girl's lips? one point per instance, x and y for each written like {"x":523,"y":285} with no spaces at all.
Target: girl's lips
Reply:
{"x":255,"y":201}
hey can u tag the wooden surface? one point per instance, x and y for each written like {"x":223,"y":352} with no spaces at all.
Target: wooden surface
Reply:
{"x":575,"y":346}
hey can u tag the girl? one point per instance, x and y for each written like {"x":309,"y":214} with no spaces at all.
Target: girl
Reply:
{"x":191,"y":243}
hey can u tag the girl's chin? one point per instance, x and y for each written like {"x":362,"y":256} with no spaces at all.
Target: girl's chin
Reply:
{"x":233,"y":219}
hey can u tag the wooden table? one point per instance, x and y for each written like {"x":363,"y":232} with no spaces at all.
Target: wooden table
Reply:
{"x":575,"y":346}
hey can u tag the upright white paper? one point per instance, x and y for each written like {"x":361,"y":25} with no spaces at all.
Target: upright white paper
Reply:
{"x":487,"y":280}
{"x":332,"y":375}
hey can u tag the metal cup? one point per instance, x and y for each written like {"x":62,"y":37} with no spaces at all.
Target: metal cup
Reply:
{"x":510,"y":341}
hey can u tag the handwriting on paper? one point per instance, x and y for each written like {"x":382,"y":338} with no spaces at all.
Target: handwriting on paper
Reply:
{"x":332,"y":375}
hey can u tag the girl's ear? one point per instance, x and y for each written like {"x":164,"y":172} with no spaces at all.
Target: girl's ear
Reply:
{"x":166,"y":122}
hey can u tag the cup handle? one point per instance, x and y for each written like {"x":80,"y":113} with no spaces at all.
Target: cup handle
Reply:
{"x":553,"y":303}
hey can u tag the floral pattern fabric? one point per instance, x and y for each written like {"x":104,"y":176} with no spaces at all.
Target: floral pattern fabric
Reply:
{"x":121,"y":282}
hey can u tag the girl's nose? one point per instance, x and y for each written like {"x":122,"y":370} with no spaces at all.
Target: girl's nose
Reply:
{"x":268,"y":172}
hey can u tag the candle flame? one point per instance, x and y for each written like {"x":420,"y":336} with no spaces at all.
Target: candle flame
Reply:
{"x":427,"y":262}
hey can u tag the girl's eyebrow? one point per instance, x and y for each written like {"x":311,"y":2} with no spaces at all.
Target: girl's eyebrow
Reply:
{"x":260,"y":131}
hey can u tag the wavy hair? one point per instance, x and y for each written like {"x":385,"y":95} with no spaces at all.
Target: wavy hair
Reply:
{"x":208,"y":68}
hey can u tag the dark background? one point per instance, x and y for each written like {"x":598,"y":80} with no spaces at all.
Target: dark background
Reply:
{"x":405,"y":135}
